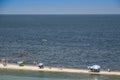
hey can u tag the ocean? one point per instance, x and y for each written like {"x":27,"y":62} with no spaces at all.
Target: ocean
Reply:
{"x":75,"y":41}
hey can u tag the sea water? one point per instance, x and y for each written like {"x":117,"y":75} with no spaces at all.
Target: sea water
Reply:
{"x":62,"y":40}
{"x":33,"y":75}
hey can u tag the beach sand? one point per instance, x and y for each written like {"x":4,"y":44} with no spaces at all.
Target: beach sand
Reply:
{"x":55,"y":69}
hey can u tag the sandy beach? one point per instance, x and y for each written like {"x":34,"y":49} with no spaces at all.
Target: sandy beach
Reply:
{"x":55,"y":69}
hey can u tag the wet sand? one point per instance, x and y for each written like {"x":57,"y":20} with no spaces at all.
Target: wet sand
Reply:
{"x":55,"y":69}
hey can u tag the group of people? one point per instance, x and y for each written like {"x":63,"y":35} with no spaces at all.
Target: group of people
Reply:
{"x":40,"y":65}
{"x":35,"y":63}
{"x":4,"y":62}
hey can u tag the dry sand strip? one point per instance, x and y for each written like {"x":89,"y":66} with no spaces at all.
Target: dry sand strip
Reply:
{"x":55,"y":69}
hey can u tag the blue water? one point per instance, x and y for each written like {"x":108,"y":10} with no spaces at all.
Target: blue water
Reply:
{"x":62,"y":40}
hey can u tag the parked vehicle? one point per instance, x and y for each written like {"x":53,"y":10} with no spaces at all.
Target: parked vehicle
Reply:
{"x":41,"y":65}
{"x":94,"y":68}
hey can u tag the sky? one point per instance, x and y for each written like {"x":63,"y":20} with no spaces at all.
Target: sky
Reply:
{"x":59,"y":6}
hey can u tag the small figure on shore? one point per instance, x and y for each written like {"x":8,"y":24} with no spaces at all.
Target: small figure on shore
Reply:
{"x":50,"y":67}
{"x":3,"y":61}
{"x":109,"y":70}
{"x":35,"y":62}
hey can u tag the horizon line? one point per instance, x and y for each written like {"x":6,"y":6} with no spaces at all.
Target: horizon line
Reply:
{"x":63,"y":14}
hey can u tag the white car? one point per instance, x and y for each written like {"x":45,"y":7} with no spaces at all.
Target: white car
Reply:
{"x":94,"y":68}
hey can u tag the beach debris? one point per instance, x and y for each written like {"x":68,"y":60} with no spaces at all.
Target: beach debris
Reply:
{"x":41,"y":65}
{"x":94,"y":68}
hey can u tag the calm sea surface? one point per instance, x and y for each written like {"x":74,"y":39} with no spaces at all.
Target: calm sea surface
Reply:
{"x":31,"y":75}
{"x":62,"y":40}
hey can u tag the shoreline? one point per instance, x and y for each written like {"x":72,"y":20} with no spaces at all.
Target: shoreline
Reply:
{"x":56,"y":69}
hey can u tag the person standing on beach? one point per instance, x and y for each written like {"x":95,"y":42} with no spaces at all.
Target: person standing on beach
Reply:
{"x":3,"y":61}
{"x":35,"y":62}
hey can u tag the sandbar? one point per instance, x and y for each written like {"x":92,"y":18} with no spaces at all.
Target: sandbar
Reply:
{"x":56,"y":69}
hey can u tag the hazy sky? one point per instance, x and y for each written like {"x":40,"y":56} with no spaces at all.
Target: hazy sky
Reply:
{"x":59,"y":6}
